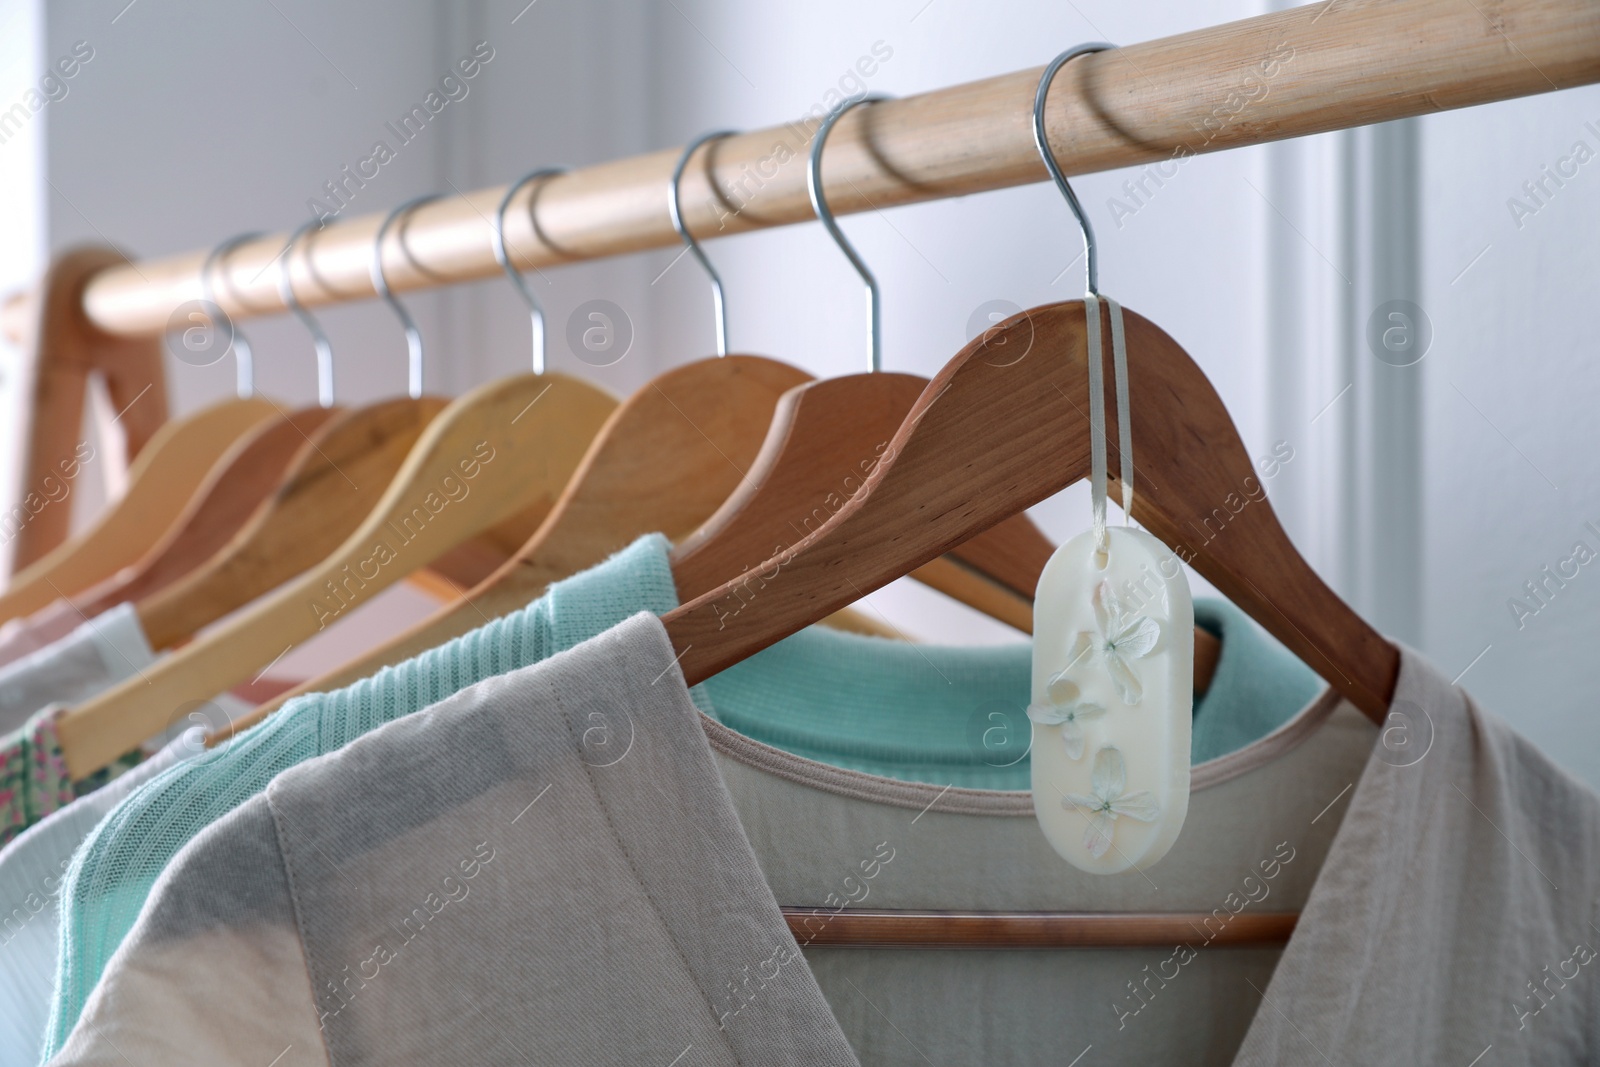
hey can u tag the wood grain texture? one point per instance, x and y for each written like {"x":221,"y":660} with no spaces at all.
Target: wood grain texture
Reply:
{"x":1325,"y":66}
{"x":826,"y":437}
{"x":464,"y":566}
{"x":664,"y":461}
{"x":62,"y":350}
{"x":491,"y":453}
{"x":249,"y":473}
{"x":336,"y":480}
{"x":161,"y":482}
{"x":861,"y":928}
{"x":989,"y":438}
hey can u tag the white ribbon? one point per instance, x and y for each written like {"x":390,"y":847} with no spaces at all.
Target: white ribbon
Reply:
{"x":1097,"y":415}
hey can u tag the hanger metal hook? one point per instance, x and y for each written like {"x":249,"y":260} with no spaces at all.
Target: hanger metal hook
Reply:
{"x":819,"y":204}
{"x":675,"y":210}
{"x":1041,"y":141}
{"x":1091,"y":299}
{"x":244,"y":364}
{"x":380,"y":282}
{"x":535,"y":309}
{"x":308,"y":320}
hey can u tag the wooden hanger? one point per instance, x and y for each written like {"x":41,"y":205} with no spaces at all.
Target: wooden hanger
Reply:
{"x":63,"y":350}
{"x":666,"y":459}
{"x":826,"y":437}
{"x":465,"y":564}
{"x":486,"y":458}
{"x":247,"y":475}
{"x":823,"y":428}
{"x":331,"y":485}
{"x":171,"y":488}
{"x":990,"y":437}
{"x":663,"y":461}
{"x":492,"y":453}
{"x":336,"y":481}
{"x":161,"y":482}
{"x":250,"y":472}
{"x":878,"y":928}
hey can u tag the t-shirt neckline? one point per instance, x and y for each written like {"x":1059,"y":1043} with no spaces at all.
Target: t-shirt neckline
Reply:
{"x":1418,"y":685}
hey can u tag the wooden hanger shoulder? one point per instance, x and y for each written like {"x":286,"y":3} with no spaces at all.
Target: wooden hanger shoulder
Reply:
{"x":667,"y":457}
{"x":491,"y":453}
{"x":671,"y":455}
{"x":335,"y":481}
{"x":989,"y":438}
{"x":249,"y":473}
{"x":161,"y":482}
{"x":826,"y":438}
{"x":474,"y":561}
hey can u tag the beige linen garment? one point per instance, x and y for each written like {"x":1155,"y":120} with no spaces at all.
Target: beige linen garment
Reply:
{"x":549,"y":867}
{"x":1455,"y":917}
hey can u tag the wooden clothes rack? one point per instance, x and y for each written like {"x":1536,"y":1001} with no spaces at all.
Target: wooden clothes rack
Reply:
{"x":1327,"y":66}
{"x":66,"y":351}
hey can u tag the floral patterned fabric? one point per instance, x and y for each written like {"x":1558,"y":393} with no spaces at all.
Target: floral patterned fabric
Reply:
{"x":33,"y":774}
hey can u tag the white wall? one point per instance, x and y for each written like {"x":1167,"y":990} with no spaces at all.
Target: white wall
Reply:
{"x":195,"y":122}
{"x":1425,"y":494}
{"x":1510,"y":435}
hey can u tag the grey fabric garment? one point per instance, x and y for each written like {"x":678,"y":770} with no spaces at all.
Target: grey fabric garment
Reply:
{"x":544,"y":868}
{"x":100,"y":653}
{"x":549,"y":868}
{"x":214,"y":971}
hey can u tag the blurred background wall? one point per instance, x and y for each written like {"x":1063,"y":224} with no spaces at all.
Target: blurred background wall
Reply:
{"x":1402,"y":310}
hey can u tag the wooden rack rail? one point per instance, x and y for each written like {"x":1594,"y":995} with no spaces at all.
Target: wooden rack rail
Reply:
{"x":1327,"y":66}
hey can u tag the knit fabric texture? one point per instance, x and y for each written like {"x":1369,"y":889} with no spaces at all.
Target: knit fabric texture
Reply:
{"x":957,"y":716}
{"x":1257,"y":686}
